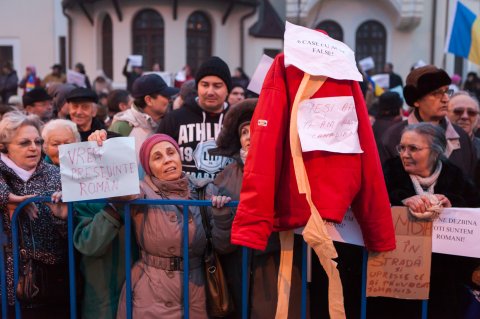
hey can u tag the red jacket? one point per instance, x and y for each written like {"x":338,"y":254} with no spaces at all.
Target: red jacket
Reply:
{"x":269,"y":199}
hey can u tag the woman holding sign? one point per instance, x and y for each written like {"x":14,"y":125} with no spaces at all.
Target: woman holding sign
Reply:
{"x":423,"y":180}
{"x":42,"y":229}
{"x":157,"y":277}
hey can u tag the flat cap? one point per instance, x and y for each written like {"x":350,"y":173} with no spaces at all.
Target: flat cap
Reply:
{"x":82,"y":95}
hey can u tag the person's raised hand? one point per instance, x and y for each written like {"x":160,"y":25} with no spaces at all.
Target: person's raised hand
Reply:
{"x":98,"y":136}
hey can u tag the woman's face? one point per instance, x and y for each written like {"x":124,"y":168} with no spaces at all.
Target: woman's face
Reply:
{"x":165,"y":162}
{"x":416,"y":154}
{"x":245,"y":137}
{"x":25,"y":148}
{"x":57,"y":137}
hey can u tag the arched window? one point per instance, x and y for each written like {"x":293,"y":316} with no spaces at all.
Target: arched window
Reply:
{"x":371,"y":41}
{"x":148,"y":38}
{"x":333,"y":29}
{"x":199,"y":40}
{"x":107,"y":46}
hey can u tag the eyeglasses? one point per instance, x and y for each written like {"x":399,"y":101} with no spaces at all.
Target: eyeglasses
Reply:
{"x":460,"y":110}
{"x":440,"y":93}
{"x":27,"y":143}
{"x":410,"y":148}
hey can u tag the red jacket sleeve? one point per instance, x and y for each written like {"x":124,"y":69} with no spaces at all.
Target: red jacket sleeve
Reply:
{"x":254,"y":218}
{"x":371,"y":205}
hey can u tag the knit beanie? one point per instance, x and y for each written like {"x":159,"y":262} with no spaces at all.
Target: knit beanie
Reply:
{"x":215,"y":66}
{"x":422,"y":81}
{"x":147,"y":146}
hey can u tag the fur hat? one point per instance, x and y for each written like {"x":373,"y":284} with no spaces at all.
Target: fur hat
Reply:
{"x":228,"y":141}
{"x":422,"y":81}
{"x":215,"y":66}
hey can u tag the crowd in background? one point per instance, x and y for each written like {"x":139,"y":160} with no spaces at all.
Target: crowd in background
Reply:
{"x":192,"y":139}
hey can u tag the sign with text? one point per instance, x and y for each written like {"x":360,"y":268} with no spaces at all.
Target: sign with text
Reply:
{"x":135,"y":60}
{"x":89,"y":171}
{"x":404,"y":272}
{"x":348,"y":231}
{"x":456,"y":232}
{"x":382,"y":80}
{"x":316,"y":53}
{"x":329,"y":124}
{"x":367,"y":63}
{"x":77,"y":78}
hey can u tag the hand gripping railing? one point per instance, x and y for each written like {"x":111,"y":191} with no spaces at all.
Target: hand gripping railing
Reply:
{"x":128,"y":262}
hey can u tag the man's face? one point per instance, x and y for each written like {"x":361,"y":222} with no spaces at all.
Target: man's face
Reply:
{"x":43,"y":109}
{"x":82,"y":114}
{"x":212,"y":93}
{"x":157,"y":105}
{"x":433,"y":107}
{"x":56,"y":71}
{"x":463,"y":111}
{"x":236,"y":95}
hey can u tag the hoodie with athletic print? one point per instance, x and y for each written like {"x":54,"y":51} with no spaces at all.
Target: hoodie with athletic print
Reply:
{"x":195,"y":130}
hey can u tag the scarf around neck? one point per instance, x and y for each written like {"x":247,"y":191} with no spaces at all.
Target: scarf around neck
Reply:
{"x":177,"y":189}
{"x":23,"y":174}
{"x":428,"y":183}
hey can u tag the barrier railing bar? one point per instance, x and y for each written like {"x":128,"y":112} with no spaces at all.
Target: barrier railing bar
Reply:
{"x":71,"y":264}
{"x":245,"y":282}
{"x":186,"y":262}
{"x":128,"y":261}
{"x":424,"y":309}
{"x":303,"y":308}
{"x":3,"y":281}
{"x":363,"y":302}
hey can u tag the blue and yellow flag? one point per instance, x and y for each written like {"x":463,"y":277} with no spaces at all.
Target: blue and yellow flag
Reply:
{"x":464,"y":35}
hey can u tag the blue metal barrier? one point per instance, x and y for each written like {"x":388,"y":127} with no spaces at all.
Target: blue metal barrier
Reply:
{"x":127,"y":219}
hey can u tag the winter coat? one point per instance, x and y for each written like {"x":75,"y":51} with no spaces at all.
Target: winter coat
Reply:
{"x":463,"y":154}
{"x":195,"y":131}
{"x":449,"y":274}
{"x":45,"y":238}
{"x":270,"y":198}
{"x":100,"y":238}
{"x":157,"y":289}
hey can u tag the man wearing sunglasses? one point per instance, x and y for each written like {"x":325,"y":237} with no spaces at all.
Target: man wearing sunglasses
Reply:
{"x":427,"y":92}
{"x":463,"y":110}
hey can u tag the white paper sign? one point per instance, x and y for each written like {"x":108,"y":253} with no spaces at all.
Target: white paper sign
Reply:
{"x":457,"y":232}
{"x":382,"y":80}
{"x":77,"y":78}
{"x":135,"y":60}
{"x":89,"y":171}
{"x":329,"y":124}
{"x":260,"y":73}
{"x":315,"y":53}
{"x":367,"y":63}
{"x":348,"y":231}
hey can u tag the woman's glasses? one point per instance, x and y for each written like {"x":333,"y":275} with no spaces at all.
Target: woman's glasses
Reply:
{"x":26,"y":143}
{"x":460,"y":110}
{"x":401,"y":148}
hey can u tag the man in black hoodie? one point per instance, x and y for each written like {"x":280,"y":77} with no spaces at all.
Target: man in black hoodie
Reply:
{"x":196,"y":125}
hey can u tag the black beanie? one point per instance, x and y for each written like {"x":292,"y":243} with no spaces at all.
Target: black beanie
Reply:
{"x":422,"y":81}
{"x":215,"y":66}
{"x":35,"y":95}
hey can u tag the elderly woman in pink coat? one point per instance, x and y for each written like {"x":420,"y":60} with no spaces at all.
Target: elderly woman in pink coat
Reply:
{"x":157,"y":277}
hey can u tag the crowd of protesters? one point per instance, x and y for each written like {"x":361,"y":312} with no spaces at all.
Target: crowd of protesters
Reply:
{"x":192,"y":141}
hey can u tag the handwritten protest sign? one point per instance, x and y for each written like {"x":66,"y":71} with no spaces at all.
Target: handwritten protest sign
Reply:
{"x":456,"y":232}
{"x":348,"y":231}
{"x":135,"y":60}
{"x":316,"y":53}
{"x":77,"y":78}
{"x":405,"y":272}
{"x":90,"y":172}
{"x":382,"y":80}
{"x":329,"y":124}
{"x":260,"y":73}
